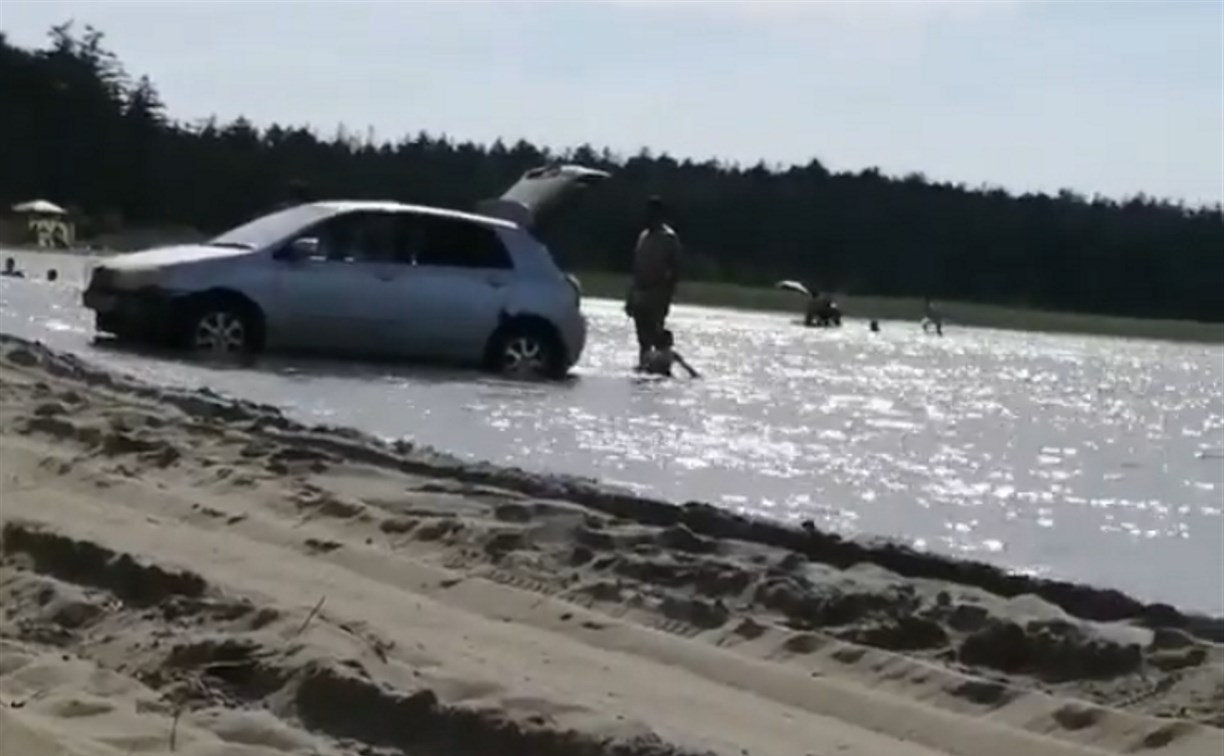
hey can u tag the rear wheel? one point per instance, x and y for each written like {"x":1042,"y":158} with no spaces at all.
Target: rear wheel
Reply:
{"x":526,"y":350}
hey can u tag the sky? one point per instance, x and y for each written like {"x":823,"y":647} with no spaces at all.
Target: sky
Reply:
{"x":1111,"y":98}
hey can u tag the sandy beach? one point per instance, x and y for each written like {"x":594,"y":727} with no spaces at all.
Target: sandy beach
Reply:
{"x":183,"y":573}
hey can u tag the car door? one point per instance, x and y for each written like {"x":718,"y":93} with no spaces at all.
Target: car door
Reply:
{"x":457,"y":289}
{"x":336,"y":293}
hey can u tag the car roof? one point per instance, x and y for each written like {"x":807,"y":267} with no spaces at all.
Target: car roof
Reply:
{"x":386,"y":206}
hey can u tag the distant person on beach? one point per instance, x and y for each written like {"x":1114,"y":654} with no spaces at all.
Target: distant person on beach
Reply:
{"x":663,"y":356}
{"x":10,"y":269}
{"x":932,"y":318}
{"x":52,"y":275}
{"x":875,"y":326}
{"x":655,"y":274}
{"x":822,"y":311}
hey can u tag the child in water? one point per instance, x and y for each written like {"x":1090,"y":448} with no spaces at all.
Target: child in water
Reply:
{"x":663,"y":356}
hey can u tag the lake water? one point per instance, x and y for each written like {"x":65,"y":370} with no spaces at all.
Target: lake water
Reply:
{"x":1100,"y":460}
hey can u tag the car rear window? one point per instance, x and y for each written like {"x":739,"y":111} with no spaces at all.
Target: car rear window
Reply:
{"x":460,"y":244}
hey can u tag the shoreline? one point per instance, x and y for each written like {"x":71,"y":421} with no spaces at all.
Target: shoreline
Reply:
{"x":731,"y":296}
{"x":734,"y":296}
{"x":251,"y":576}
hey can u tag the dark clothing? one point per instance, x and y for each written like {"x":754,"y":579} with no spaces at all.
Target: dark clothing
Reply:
{"x":649,"y":309}
{"x":656,"y":259}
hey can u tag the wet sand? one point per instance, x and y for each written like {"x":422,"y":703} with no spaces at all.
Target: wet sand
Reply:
{"x":186,"y":573}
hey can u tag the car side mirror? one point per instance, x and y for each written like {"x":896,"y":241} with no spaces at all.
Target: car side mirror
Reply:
{"x":299,"y":249}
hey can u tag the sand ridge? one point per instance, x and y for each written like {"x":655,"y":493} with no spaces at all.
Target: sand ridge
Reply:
{"x":271,"y":586}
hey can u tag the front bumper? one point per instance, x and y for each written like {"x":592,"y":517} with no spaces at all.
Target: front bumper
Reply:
{"x":147,"y":314}
{"x":575,"y":339}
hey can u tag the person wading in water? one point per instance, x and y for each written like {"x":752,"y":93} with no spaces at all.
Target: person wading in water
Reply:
{"x":932,"y":317}
{"x":656,"y":271}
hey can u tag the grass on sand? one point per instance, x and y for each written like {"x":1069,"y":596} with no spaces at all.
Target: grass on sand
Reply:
{"x":613,"y":286}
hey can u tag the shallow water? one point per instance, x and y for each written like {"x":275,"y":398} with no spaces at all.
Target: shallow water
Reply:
{"x":1094,"y":459}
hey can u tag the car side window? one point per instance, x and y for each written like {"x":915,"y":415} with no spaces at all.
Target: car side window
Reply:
{"x":460,"y":244}
{"x":360,"y":237}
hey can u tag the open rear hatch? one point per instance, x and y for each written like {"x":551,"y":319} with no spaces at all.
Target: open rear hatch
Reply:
{"x":536,"y":196}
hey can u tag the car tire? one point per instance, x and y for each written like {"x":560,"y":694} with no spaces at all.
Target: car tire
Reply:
{"x":526,"y":350}
{"x":221,"y":327}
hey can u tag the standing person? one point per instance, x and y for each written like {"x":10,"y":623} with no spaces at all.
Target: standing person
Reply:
{"x":656,"y":271}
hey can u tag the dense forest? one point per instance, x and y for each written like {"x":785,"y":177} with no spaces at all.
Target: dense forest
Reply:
{"x":79,"y":130}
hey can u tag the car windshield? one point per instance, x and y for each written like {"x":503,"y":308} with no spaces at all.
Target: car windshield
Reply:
{"x":269,"y":229}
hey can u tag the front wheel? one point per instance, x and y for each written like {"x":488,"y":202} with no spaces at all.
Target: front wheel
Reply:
{"x":526,"y":352}
{"x":221,"y":329}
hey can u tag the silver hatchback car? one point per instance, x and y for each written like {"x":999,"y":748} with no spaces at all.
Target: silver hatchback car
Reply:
{"x":364,"y":279}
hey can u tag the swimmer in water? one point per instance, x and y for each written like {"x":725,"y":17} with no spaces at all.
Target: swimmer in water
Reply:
{"x":52,"y":275}
{"x":10,"y":269}
{"x":663,"y":356}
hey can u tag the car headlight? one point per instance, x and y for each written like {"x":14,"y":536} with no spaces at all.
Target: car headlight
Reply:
{"x":576,"y":284}
{"x":140,"y":278}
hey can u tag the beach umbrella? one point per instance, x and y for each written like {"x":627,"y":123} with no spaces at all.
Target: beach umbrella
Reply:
{"x":39,"y":206}
{"x":794,"y":286}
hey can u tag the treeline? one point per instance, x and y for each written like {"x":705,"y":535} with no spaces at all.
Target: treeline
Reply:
{"x":77,"y":129}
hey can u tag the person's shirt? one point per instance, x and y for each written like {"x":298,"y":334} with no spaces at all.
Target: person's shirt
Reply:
{"x":656,"y":259}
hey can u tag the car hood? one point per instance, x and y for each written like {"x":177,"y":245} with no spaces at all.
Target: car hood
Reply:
{"x":535,"y":197}
{"x":166,"y":256}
